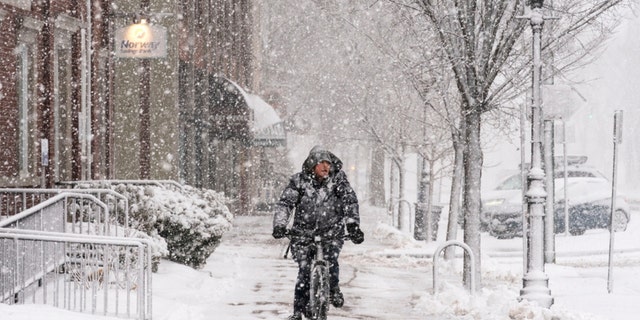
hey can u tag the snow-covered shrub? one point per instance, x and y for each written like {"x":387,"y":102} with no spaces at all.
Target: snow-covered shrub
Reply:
{"x":195,"y":226}
{"x":185,"y":226}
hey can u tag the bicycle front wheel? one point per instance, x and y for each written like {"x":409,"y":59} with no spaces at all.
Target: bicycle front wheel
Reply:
{"x":319,"y":293}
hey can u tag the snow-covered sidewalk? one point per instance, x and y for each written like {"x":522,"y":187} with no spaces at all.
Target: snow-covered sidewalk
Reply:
{"x":247,"y":278}
{"x":389,"y":277}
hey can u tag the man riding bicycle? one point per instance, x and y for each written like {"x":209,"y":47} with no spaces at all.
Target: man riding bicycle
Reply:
{"x":324,"y":203}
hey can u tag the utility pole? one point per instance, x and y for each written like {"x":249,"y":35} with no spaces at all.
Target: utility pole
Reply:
{"x":535,"y":281}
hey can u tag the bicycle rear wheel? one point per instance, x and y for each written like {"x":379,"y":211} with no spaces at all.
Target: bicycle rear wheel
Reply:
{"x":319,"y":292}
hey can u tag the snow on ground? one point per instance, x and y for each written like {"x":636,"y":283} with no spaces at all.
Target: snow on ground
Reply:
{"x":390,"y":277}
{"x":42,"y":312}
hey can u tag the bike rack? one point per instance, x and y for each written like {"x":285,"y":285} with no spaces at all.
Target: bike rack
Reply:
{"x":436,"y":256}
{"x":396,"y":205}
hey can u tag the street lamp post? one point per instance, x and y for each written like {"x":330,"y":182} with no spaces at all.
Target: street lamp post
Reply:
{"x":535,"y":281}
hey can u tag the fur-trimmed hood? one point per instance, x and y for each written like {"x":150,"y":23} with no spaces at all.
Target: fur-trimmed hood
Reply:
{"x":319,"y":154}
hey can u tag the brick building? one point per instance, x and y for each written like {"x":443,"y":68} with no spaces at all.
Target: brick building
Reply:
{"x":72,"y":109}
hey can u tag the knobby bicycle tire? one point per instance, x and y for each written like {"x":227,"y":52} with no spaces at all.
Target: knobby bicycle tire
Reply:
{"x":319,"y":293}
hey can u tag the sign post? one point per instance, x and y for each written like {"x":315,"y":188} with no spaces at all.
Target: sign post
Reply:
{"x":617,"y":138}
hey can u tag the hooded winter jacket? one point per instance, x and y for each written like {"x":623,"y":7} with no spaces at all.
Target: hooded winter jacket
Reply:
{"x":323,"y":207}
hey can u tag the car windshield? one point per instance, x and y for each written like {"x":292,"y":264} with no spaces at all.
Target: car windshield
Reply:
{"x":514,"y":182}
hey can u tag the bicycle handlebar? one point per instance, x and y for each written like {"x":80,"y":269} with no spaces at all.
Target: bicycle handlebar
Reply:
{"x":307,"y":234}
{"x":310,"y":234}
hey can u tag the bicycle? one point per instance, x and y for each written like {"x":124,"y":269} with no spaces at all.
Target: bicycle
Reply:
{"x":319,"y":287}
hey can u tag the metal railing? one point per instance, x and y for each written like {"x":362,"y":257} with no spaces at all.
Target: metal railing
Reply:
{"x":84,"y":273}
{"x":65,"y":212}
{"x":15,"y":200}
{"x":59,"y":252}
{"x":167,"y":184}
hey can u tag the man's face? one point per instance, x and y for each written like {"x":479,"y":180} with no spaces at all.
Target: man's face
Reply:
{"x":321,"y":170}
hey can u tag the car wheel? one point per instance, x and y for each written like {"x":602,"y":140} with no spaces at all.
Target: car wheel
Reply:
{"x":620,"y":221}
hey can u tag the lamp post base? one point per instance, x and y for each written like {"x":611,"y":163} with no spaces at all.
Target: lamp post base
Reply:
{"x":536,"y":289}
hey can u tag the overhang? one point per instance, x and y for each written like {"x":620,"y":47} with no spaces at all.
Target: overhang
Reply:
{"x":266,"y":126}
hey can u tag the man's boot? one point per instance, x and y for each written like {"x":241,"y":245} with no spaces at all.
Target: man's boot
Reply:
{"x":295,"y":316}
{"x":337,"y":299}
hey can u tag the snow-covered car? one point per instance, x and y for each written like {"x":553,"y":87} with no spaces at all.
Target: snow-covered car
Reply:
{"x":589,"y":200}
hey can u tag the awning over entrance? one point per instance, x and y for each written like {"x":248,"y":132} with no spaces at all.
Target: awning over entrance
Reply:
{"x":266,"y":125}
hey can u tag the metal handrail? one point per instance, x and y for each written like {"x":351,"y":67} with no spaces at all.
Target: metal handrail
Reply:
{"x":159,"y":183}
{"x":38,"y":254}
{"x":96,"y":192}
{"x":62,"y":197}
{"x":96,"y":265}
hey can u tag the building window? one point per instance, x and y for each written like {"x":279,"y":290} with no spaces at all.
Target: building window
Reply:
{"x":25,"y":82}
{"x":27,"y":91}
{"x":62,"y":99}
{"x":22,"y":4}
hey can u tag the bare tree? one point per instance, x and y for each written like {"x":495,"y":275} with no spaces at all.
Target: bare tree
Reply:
{"x":488,"y":62}
{"x":338,"y":66}
{"x":373,"y":68}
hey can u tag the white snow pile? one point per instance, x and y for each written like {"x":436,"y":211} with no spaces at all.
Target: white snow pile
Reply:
{"x":496,"y":302}
{"x":42,"y":312}
{"x":497,"y":299}
{"x":393,"y":237}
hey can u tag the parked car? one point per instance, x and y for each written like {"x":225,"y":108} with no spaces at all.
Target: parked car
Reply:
{"x":589,"y":200}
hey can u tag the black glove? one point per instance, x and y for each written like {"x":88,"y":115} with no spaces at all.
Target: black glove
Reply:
{"x":279,"y":232}
{"x":355,"y":234}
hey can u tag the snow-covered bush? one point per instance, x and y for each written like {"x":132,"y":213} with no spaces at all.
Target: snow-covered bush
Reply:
{"x":198,"y":218}
{"x":185,"y":226}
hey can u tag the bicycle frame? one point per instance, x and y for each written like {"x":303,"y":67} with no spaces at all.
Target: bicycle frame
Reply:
{"x":319,"y":283}
{"x":319,"y":276}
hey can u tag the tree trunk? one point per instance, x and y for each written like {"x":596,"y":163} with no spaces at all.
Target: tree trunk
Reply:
{"x":402,"y":211}
{"x":432,"y":219}
{"x":471,"y":196}
{"x":377,"y":177}
{"x":421,"y":227}
{"x":456,"y":191}
{"x":392,"y":192}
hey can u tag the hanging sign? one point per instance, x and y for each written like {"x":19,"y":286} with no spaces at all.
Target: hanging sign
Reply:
{"x":141,"y":40}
